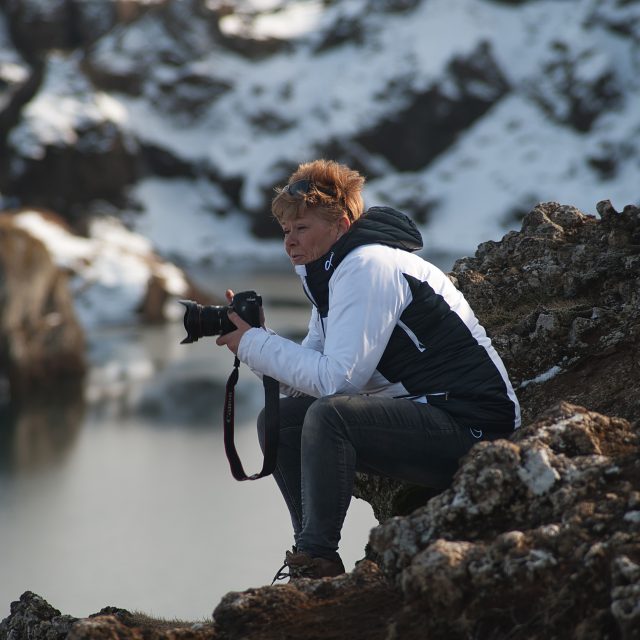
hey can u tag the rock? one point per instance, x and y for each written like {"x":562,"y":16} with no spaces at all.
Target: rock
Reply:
{"x":561,"y":301}
{"x":81,"y":155}
{"x":153,"y":55}
{"x":33,"y":617}
{"x":434,"y":117}
{"x":18,"y":83}
{"x":393,"y":6}
{"x":536,"y":534}
{"x":238,"y":92}
{"x":41,"y":341}
{"x":65,"y":24}
{"x":37,"y":26}
{"x":576,"y":84}
{"x":114,"y":262}
{"x":355,"y":605}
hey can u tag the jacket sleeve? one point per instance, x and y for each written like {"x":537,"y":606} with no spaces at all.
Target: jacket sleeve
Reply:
{"x":313,"y":340}
{"x":367,"y":294}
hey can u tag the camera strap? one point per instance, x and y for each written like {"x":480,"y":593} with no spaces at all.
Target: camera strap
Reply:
{"x":272,"y":426}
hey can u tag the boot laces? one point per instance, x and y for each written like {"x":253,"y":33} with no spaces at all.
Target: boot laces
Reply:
{"x":296,"y":569}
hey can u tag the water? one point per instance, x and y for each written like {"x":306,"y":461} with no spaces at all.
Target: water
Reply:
{"x":127,"y":500}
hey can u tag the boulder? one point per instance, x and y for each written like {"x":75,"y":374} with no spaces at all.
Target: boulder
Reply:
{"x":118,"y":278}
{"x":33,"y":617}
{"x":561,"y":301}
{"x":538,"y":534}
{"x":41,"y":342}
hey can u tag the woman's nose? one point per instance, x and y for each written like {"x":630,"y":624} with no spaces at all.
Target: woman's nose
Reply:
{"x":289,"y":239}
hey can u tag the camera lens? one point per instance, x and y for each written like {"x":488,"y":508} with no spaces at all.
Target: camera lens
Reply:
{"x":214,"y":320}
{"x":205,"y":320}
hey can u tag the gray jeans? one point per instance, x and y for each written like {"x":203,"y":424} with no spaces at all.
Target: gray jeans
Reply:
{"x":324,"y":441}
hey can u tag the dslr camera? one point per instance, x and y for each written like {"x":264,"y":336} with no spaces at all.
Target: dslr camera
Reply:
{"x":212,"y":320}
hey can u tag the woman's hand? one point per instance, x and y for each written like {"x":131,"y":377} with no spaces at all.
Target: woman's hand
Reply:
{"x":232,"y":339}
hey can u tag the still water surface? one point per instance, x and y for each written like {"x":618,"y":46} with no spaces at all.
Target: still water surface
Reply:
{"x":128,"y":500}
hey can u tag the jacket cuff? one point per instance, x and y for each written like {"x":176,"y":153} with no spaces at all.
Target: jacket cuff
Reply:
{"x":251,"y":344}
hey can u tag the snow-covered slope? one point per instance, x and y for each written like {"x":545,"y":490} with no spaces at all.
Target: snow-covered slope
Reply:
{"x":464,"y":113}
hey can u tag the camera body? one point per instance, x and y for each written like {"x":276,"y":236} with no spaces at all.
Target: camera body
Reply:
{"x":213,"y":320}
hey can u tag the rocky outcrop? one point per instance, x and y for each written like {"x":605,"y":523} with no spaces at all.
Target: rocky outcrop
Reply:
{"x":537,"y":534}
{"x":161,"y":44}
{"x":576,"y":85}
{"x":33,"y":617}
{"x":42,"y":322}
{"x":65,"y":24}
{"x":561,"y":301}
{"x":81,"y":155}
{"x":41,"y":341}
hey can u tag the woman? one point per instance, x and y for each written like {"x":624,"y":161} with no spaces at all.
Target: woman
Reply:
{"x":395,"y":376}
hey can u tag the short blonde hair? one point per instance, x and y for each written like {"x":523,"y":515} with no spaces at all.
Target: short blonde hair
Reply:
{"x":327,"y":187}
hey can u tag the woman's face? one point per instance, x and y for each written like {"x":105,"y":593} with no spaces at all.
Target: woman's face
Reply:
{"x":309,"y":237}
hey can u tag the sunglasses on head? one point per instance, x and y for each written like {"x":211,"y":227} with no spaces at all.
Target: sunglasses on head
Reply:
{"x":302,"y":188}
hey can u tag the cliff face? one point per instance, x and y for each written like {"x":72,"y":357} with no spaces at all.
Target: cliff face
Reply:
{"x":538,"y":534}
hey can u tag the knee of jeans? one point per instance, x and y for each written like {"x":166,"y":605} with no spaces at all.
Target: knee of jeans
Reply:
{"x":322,"y":418}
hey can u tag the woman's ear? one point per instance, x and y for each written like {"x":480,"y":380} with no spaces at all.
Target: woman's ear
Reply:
{"x":343,"y":225}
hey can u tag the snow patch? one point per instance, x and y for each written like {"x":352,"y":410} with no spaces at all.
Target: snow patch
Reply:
{"x":286,"y":22}
{"x":543,"y":377}
{"x":537,"y":473}
{"x":111,"y":268}
{"x":192,"y":222}
{"x":65,"y":106}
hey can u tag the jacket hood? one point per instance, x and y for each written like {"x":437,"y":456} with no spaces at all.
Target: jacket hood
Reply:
{"x":382,"y":225}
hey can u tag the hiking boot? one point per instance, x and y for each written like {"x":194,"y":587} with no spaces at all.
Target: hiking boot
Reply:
{"x":302,"y":565}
